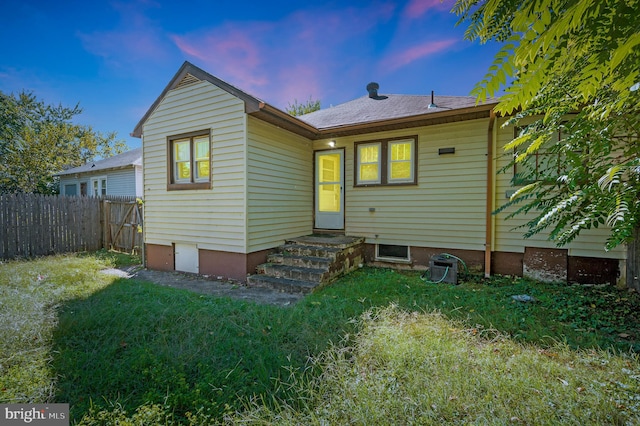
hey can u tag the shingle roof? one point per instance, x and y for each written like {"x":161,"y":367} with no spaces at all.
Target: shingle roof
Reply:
{"x":384,"y":107}
{"x":129,"y":158}
{"x":362,"y":115}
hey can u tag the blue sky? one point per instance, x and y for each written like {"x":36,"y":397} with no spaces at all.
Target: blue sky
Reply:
{"x":114,"y":58}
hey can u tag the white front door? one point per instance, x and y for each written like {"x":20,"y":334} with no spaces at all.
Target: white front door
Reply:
{"x":329,"y":189}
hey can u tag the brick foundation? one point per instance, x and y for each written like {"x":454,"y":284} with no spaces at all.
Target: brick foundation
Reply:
{"x":211,"y":262}
{"x":537,"y":263}
{"x":506,"y":263}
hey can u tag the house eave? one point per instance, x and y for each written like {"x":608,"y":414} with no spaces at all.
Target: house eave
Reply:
{"x":97,"y":171}
{"x":428,"y":119}
{"x":284,"y":120}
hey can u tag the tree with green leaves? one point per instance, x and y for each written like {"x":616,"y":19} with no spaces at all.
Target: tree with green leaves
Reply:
{"x":570,"y":70}
{"x":38,"y":140}
{"x":296,"y":109}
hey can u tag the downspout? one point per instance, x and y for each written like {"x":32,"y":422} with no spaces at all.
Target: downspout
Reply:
{"x":490,"y":196}
{"x":143,"y":249}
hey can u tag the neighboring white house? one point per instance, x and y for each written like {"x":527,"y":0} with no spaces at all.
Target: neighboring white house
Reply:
{"x":120,"y":175}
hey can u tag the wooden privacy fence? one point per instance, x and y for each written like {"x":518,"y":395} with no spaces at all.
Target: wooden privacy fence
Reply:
{"x":39,"y":225}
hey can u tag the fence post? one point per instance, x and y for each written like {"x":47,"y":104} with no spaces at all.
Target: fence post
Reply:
{"x":106,"y":229}
{"x":633,"y":261}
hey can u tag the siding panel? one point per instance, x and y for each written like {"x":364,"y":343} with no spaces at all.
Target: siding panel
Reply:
{"x":212,"y":219}
{"x":280,"y":186}
{"x":444,"y":210}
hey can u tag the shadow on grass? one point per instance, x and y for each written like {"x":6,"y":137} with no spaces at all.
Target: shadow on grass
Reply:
{"x":136,"y":343}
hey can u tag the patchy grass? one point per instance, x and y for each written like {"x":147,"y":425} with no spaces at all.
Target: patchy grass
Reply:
{"x":580,"y":316}
{"x":410,"y":368}
{"x":117,"y":259}
{"x":110,"y":347}
{"x":31,"y":292}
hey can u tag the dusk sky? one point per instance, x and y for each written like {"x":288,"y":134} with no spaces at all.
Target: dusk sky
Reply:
{"x":114,"y":58}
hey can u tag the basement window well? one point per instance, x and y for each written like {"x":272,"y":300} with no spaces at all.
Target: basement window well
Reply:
{"x":392,"y":253}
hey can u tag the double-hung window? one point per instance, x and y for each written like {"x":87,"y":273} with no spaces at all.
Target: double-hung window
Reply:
{"x":543,"y":165}
{"x":386,"y":162}
{"x":190,"y":161}
{"x":99,"y":186}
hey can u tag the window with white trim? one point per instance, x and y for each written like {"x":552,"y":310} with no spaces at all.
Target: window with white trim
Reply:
{"x":189,"y":161}
{"x":99,"y":186}
{"x":386,"y":162}
{"x":369,"y":157}
{"x":401,"y":161}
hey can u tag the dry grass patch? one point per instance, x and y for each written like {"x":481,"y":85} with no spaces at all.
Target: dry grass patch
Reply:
{"x":30,"y":295}
{"x":410,"y":368}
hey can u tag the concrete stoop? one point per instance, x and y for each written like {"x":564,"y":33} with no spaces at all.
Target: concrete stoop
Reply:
{"x":303,"y":264}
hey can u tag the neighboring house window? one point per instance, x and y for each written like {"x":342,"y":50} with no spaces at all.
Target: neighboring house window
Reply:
{"x":190,"y":161}
{"x":386,"y":162}
{"x":71,"y":189}
{"x":99,"y":186}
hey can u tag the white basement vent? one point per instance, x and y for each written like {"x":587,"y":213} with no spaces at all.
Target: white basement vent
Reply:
{"x":188,"y":79}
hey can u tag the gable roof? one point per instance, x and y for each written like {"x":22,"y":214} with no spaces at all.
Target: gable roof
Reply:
{"x":189,"y":73}
{"x":129,"y":158}
{"x":363,"y":115}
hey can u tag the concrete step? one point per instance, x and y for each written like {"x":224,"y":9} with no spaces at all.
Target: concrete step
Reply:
{"x":301,"y":261}
{"x":293,"y":272}
{"x":337,"y":241}
{"x":287,"y":285}
{"x":293,"y":249}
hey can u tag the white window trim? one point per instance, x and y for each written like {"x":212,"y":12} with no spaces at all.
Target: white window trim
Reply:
{"x":411,"y":161}
{"x":379,"y":162}
{"x":99,"y":180}
{"x":195,"y":172}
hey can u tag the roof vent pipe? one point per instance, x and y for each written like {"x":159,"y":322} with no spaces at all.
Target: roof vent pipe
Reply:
{"x":432,"y":104}
{"x":372,"y":88}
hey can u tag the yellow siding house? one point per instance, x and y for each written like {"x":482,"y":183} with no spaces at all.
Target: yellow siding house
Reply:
{"x":228,"y":178}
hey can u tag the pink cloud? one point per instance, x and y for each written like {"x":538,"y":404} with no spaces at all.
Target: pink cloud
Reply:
{"x":305,"y":81}
{"x":416,"y":8}
{"x":407,"y":56}
{"x":298,"y":56}
{"x":229,"y":52}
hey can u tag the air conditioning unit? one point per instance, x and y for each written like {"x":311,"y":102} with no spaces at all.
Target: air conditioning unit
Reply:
{"x":443,"y":269}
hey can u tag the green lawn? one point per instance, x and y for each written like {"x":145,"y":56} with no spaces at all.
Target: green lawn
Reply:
{"x":71,"y":334}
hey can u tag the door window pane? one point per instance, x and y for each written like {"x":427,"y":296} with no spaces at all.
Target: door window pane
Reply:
{"x":329,"y":198}
{"x":329,"y":167}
